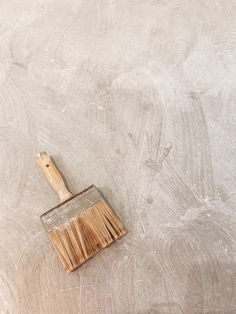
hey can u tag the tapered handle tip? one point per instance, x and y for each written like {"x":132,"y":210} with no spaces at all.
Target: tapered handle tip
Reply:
{"x":42,"y":157}
{"x":53,"y":175}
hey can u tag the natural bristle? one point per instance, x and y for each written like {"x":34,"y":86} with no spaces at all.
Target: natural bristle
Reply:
{"x":86,"y":234}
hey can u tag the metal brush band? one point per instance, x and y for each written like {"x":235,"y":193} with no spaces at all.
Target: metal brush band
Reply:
{"x":64,"y":212}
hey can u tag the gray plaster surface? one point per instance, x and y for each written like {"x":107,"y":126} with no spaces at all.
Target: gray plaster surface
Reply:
{"x":137,"y":97}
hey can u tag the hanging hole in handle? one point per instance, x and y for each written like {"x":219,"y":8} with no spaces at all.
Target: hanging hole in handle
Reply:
{"x":47,"y":165}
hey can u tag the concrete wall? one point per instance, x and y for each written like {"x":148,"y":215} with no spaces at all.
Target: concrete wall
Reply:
{"x":137,"y":97}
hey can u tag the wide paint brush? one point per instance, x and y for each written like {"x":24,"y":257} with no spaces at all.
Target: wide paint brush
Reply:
{"x":82,"y":224}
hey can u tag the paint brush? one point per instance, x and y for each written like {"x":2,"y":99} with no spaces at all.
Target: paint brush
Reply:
{"x":82,"y":224}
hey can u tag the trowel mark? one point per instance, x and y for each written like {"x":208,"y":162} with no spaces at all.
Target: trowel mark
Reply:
{"x":166,"y":151}
{"x":157,"y":165}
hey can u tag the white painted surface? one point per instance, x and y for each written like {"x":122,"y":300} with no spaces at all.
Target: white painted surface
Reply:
{"x":137,"y":97}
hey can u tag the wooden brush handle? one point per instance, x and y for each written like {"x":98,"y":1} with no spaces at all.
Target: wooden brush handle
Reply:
{"x":53,"y":176}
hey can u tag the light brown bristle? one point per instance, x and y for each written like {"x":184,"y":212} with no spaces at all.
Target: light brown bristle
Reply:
{"x":86,"y":234}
